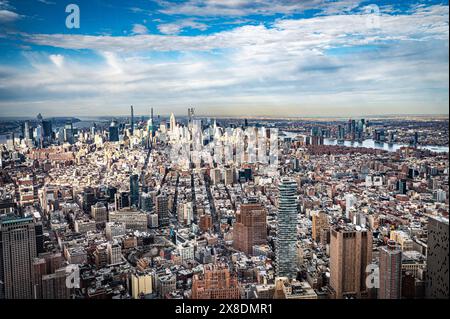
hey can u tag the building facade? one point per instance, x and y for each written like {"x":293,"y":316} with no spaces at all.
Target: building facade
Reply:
{"x":286,"y":235}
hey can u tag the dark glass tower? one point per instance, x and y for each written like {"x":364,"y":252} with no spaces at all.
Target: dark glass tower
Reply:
{"x":134,"y":190}
{"x":114,"y":131}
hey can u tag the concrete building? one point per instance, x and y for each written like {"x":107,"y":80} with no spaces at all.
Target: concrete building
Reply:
{"x":141,"y":285}
{"x":114,"y":229}
{"x":99,"y":213}
{"x":132,"y":219}
{"x":437,"y":259}
{"x":162,"y":209}
{"x":350,"y":253}
{"x":216,"y":282}
{"x":250,"y":228}
{"x":390,"y":271}
{"x":17,"y":251}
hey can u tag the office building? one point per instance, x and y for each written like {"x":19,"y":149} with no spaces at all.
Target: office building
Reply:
{"x":250,"y":228}
{"x":146,"y":200}
{"x":132,"y":120}
{"x":437,"y":258}
{"x":114,"y":229}
{"x":162,"y":209}
{"x":69,"y":133}
{"x":99,"y":213}
{"x":132,"y":219}
{"x":114,"y":131}
{"x":350,"y":253}
{"x":17,"y":251}
{"x":390,"y":271}
{"x":216,"y":282}
{"x":141,"y":285}
{"x":134,"y":190}
{"x":54,"y":285}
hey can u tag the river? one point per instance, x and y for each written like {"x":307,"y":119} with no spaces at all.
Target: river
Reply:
{"x":370,"y":143}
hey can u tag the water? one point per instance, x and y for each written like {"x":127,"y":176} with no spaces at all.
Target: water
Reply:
{"x":370,"y":143}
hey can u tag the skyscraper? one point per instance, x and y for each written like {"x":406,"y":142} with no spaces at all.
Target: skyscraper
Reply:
{"x":162,"y":209}
{"x":134,"y":190}
{"x":47,"y":127}
{"x":437,"y":258}
{"x":350,"y":253}
{"x":286,"y":235}
{"x":132,"y":120}
{"x":146,"y":201}
{"x":27,"y":130}
{"x":113,"y":131}
{"x":150,"y":123}
{"x":68,"y":133}
{"x":250,"y":228}
{"x":390,"y":271}
{"x":17,"y":251}
{"x":173,"y":122}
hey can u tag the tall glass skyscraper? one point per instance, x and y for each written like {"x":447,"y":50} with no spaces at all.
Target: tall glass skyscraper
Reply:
{"x":286,"y":240}
{"x":114,"y":131}
{"x":134,"y":190}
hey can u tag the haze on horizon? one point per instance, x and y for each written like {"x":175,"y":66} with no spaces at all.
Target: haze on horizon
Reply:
{"x":225,"y":58}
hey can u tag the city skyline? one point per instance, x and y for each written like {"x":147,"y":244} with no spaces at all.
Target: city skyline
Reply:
{"x":236,"y":150}
{"x":224,"y":209}
{"x":232,"y":58}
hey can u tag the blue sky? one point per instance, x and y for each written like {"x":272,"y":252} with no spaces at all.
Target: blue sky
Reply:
{"x":225,"y":57}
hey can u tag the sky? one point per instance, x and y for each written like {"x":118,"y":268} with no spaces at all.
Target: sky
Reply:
{"x":284,"y":58}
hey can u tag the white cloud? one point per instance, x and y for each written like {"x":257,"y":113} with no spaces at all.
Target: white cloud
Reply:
{"x":254,"y":7}
{"x":315,"y":33}
{"x":47,"y":2}
{"x":178,"y":26}
{"x":296,"y":67}
{"x":57,"y":59}
{"x":7,"y":13}
{"x":139,"y":29}
{"x":8,"y":16}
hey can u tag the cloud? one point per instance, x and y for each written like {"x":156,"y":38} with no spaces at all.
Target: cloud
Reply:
{"x":47,"y":2}
{"x":252,"y":7}
{"x":7,"y":13}
{"x":317,"y":66}
{"x":112,"y":61}
{"x":139,"y":29}
{"x":57,"y":59}
{"x":317,"y":33}
{"x":8,"y":16}
{"x":178,"y":26}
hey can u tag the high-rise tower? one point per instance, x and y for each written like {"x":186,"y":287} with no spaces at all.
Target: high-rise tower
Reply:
{"x":132,"y":120}
{"x":437,"y":258}
{"x":17,"y":252}
{"x":286,"y":236}
{"x":114,"y":131}
{"x":350,"y":253}
{"x":390,"y":271}
{"x":134,"y":190}
{"x":173,"y":122}
{"x":250,"y":228}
